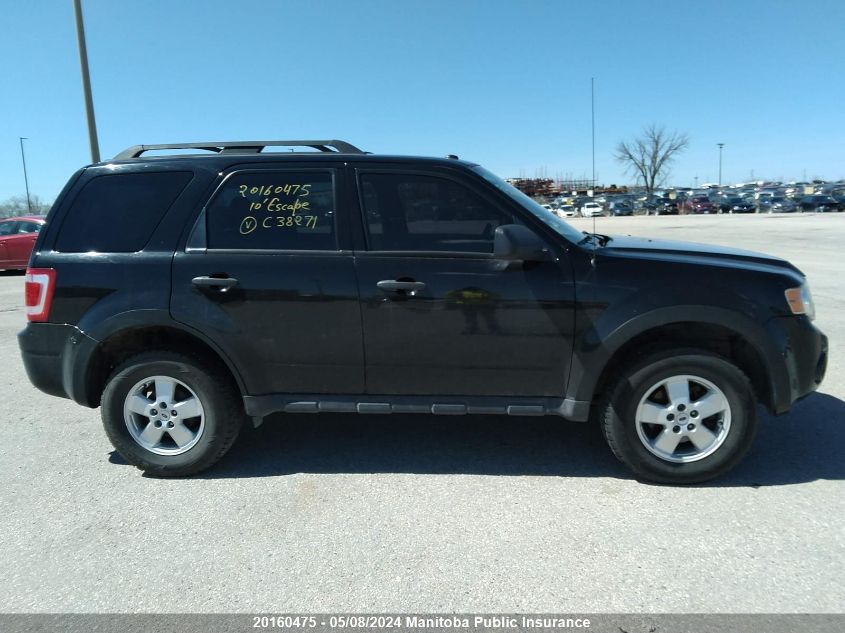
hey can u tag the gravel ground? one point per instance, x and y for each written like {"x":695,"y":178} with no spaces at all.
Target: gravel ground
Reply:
{"x":433,"y":514}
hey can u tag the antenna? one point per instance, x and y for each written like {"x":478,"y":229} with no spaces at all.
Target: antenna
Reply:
{"x":593,"y":128}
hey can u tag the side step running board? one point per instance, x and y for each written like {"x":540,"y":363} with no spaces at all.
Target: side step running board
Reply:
{"x":260,"y":406}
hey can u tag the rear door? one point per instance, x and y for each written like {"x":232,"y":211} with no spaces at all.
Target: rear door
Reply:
{"x":264,"y":275}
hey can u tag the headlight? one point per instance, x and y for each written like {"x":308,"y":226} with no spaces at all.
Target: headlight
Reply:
{"x":801,"y":301}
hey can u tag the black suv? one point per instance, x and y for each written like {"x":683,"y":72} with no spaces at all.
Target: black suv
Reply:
{"x":184,"y":294}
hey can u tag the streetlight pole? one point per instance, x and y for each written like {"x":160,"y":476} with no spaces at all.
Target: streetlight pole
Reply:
{"x":86,"y":83}
{"x":593,"y":127}
{"x":721,"y":145}
{"x":25,"y":177}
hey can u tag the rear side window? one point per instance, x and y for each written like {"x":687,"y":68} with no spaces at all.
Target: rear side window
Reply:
{"x":118,"y":213}
{"x":273,"y":210}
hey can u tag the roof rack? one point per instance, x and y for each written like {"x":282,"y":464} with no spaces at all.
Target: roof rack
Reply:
{"x":242,"y":147}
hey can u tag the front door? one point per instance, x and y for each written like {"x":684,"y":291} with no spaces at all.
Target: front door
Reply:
{"x":441,"y":316}
{"x":262,"y":275}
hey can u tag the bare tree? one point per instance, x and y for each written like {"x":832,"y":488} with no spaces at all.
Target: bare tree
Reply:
{"x":18,"y":205}
{"x":649,"y":156}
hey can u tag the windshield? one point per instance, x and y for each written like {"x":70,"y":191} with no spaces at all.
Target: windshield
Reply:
{"x":544,"y":215}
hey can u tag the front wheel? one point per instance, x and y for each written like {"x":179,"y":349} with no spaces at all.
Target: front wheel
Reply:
{"x":169,"y":414}
{"x":679,"y":417}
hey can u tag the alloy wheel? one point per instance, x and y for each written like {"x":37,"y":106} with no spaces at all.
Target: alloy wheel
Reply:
{"x":164,"y":415}
{"x":683,"y":419}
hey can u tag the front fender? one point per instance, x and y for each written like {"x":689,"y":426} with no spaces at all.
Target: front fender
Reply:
{"x":600,"y":343}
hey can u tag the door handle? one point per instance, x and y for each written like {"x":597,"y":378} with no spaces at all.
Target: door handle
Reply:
{"x":219,"y":283}
{"x":394,"y":285}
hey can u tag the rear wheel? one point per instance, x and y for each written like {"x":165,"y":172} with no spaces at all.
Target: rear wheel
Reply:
{"x":680,"y":417}
{"x":169,"y":414}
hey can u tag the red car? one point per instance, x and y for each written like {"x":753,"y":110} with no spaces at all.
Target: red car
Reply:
{"x":698,"y":204}
{"x":17,"y":237}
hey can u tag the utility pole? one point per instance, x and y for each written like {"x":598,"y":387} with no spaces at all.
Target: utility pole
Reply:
{"x":721,"y":145}
{"x":86,"y":83}
{"x":593,"y":126}
{"x":25,"y":177}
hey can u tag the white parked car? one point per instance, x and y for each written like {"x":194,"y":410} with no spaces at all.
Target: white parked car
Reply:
{"x":566,"y":211}
{"x":591,"y":209}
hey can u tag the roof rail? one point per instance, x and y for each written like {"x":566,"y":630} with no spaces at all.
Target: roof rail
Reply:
{"x":242,"y":147}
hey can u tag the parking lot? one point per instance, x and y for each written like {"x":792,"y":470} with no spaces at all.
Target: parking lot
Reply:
{"x":434,"y":514}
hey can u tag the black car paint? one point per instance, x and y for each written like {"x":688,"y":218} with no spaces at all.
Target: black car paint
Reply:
{"x":819,"y":204}
{"x":530,"y":337}
{"x":736,"y":205}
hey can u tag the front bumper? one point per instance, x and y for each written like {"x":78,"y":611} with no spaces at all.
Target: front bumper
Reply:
{"x":804,"y":350}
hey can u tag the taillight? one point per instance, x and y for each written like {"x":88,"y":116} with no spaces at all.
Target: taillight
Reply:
{"x":40,"y":284}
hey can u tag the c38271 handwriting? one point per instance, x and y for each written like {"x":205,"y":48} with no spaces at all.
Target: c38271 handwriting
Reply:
{"x":250,"y":223}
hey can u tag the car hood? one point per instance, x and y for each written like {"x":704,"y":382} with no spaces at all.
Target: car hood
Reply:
{"x":627,"y":245}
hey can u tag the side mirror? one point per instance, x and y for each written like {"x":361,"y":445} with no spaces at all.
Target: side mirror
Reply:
{"x":515,"y":242}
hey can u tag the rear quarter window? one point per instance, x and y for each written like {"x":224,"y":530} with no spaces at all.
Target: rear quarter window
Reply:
{"x":118,"y":213}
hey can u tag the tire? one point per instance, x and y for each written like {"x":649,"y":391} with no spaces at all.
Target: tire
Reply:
{"x":138,"y":429}
{"x":695,"y":458}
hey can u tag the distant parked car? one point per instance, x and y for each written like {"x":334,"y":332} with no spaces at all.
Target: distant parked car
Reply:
{"x":699,"y":204}
{"x":782,"y":204}
{"x":665,"y":206}
{"x":797,"y":190}
{"x":649,"y":204}
{"x":591,"y":209}
{"x":735,"y":204}
{"x":765,"y":203}
{"x":620,"y":208}
{"x":819,"y":204}
{"x":566,"y":211}
{"x":17,"y":237}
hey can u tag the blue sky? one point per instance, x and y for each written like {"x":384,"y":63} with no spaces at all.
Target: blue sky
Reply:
{"x":504,"y":83}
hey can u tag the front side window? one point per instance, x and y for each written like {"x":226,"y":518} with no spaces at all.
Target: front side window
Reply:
{"x":412,"y":212}
{"x":29,"y":227}
{"x":273,"y":210}
{"x":544,"y":215}
{"x":7,"y":228}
